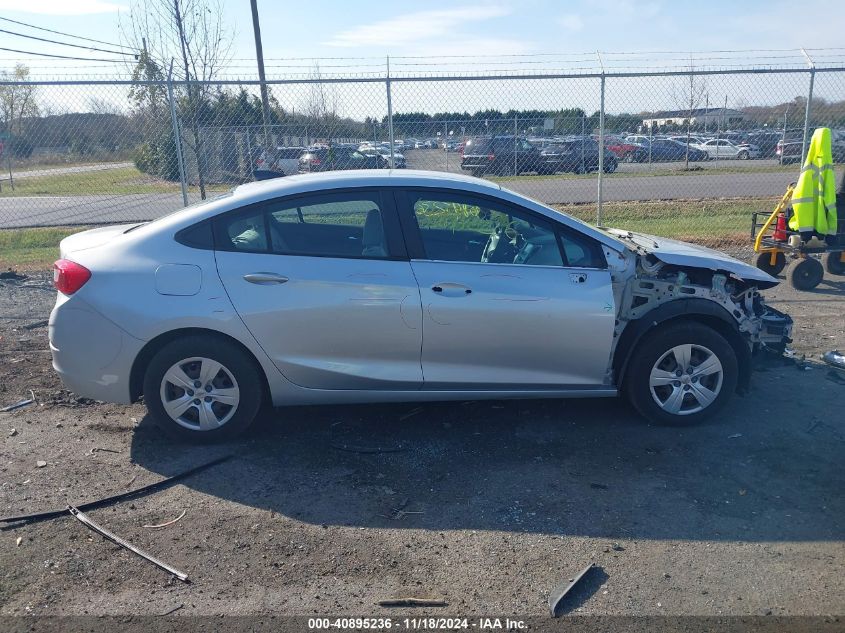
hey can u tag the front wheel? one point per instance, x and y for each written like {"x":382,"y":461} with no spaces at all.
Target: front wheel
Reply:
{"x":744,"y":156}
{"x":202,"y":389}
{"x":805,"y":274}
{"x":681,"y":374}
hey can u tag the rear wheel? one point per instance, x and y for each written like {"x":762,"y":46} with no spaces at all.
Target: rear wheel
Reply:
{"x":743,"y":155}
{"x":805,"y":274}
{"x":833,"y":263}
{"x":610,"y":166}
{"x":763,"y":261}
{"x":202,"y":388}
{"x":681,"y":374}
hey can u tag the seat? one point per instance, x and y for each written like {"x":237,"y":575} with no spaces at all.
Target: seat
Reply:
{"x":373,"y":241}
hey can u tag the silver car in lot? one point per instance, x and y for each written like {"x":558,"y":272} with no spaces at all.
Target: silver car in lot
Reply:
{"x":386,"y":286}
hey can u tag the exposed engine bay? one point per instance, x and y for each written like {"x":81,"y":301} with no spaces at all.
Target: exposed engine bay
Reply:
{"x":642,"y":282}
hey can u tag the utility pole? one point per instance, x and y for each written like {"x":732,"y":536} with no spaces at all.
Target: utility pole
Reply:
{"x":259,"y":55}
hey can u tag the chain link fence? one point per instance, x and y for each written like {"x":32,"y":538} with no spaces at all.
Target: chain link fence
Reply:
{"x":688,"y":155}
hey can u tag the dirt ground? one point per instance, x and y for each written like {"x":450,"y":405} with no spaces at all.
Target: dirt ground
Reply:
{"x":487,"y":506}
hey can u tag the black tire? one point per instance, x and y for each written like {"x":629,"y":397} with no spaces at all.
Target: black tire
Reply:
{"x":805,"y":274}
{"x":234,"y":360}
{"x":658,"y":343}
{"x":610,"y":166}
{"x":763,"y":262}
{"x":833,"y":263}
{"x":743,"y":155}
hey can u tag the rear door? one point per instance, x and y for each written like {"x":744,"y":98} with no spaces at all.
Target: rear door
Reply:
{"x":509,"y":298}
{"x":323,"y":283}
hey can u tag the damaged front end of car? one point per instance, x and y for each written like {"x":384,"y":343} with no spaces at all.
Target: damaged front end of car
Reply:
{"x":659,"y":280}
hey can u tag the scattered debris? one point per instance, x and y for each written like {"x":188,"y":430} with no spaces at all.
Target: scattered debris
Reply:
{"x":164,"y":525}
{"x":131,"y":494}
{"x":94,"y":449}
{"x":36,"y":325}
{"x":18,"y":405}
{"x":560,"y":591}
{"x":173,"y":610}
{"x":399,"y":512}
{"x":12,"y":432}
{"x":40,"y":463}
{"x":616,"y":547}
{"x":413,"y":602}
{"x":410,"y":413}
{"x":834,"y":358}
{"x":18,"y":541}
{"x":734,"y":436}
{"x":79,"y":516}
{"x":13,"y":275}
{"x":365,"y":449}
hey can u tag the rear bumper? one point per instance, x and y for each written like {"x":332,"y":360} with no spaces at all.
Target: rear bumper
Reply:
{"x":92,"y":355}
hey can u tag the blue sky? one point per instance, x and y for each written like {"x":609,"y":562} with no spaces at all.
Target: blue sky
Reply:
{"x":342,"y":28}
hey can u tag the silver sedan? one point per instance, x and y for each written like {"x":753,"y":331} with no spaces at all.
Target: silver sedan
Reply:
{"x":385,"y":286}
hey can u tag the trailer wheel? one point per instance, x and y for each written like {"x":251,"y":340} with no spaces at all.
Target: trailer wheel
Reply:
{"x":805,"y":274}
{"x":763,"y":262}
{"x":833,"y":263}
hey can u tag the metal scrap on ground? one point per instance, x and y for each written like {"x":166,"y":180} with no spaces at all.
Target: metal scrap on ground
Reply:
{"x":20,"y":404}
{"x":164,"y":525}
{"x":413,"y":602}
{"x":114,"y":538}
{"x":560,"y":591}
{"x":144,"y":490}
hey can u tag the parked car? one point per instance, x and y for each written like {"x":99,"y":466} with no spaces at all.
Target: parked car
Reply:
{"x":578,"y":155}
{"x":387,"y":286}
{"x":623,"y":150}
{"x":452,"y":145}
{"x":790,"y":152}
{"x":336,"y":158}
{"x":282,"y":161}
{"x":499,"y":155}
{"x":766,"y":141}
{"x":724,"y":149}
{"x":398,"y":159}
{"x":664,"y":149}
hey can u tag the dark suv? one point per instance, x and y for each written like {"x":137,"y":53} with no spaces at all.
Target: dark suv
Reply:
{"x":499,"y":155}
{"x":336,"y":158}
{"x":578,"y":155}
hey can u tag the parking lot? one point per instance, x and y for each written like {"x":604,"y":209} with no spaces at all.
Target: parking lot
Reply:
{"x":486,"y":506}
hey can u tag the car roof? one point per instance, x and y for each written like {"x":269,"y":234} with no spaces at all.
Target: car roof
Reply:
{"x":275,"y":187}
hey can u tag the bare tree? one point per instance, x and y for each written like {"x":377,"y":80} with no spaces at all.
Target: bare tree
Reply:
{"x":17,"y":101}
{"x":689,"y":98}
{"x":191,"y":37}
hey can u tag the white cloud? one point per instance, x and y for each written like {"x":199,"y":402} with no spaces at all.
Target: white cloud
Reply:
{"x":427,"y":25}
{"x":61,"y":7}
{"x":571,"y":22}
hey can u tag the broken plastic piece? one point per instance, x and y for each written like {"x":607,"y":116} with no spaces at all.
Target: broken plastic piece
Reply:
{"x":560,"y":591}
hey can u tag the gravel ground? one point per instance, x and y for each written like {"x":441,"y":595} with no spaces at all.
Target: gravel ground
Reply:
{"x":487,"y":506}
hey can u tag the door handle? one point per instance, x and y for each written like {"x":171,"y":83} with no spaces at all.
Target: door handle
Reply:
{"x":452,"y":288}
{"x":265,"y":279}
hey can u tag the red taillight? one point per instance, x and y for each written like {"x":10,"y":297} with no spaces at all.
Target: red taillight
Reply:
{"x":68,"y":276}
{"x":491,"y":157}
{"x":314,"y":161}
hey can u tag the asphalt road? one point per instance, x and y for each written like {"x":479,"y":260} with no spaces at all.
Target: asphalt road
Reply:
{"x":632,"y":182}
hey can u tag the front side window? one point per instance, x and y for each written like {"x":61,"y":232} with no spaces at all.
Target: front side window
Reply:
{"x":459,"y":228}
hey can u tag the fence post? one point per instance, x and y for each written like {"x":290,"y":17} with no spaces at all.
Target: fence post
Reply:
{"x":177,"y":137}
{"x":446,"y":142}
{"x":807,"y":109}
{"x":389,"y":113}
{"x":601,"y":153}
{"x":515,"y":147}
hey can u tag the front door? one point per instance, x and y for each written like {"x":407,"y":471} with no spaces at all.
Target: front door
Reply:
{"x":322,"y":283}
{"x":509,"y":299}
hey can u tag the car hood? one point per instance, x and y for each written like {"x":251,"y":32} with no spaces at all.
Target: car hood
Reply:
{"x":679,"y":253}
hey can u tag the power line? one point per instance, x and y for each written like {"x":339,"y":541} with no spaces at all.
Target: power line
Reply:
{"x":80,"y":59}
{"x":87,"y":48}
{"x":79,"y":37}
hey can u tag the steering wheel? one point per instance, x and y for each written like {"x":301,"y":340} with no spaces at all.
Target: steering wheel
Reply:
{"x":502,"y":246}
